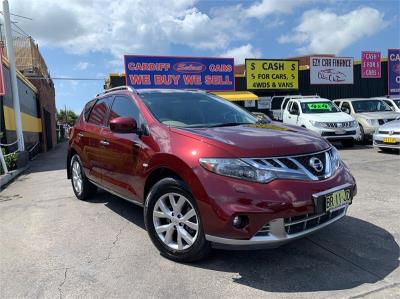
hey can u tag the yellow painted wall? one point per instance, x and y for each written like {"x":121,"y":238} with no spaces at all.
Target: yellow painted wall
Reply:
{"x":29,"y":122}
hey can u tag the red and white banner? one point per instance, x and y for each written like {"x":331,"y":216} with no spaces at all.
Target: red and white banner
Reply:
{"x":370,"y":64}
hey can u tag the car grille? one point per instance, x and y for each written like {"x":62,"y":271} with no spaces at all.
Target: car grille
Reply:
{"x":384,"y":121}
{"x":297,"y":166}
{"x":388,"y":132}
{"x":298,"y":224}
{"x":346,"y":124}
{"x":334,"y":134}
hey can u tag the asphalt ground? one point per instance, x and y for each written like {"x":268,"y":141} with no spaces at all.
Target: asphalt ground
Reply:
{"x":55,"y":246}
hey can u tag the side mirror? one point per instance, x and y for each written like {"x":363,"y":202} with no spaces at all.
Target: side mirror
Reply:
{"x":294,"y":111}
{"x":123,"y":125}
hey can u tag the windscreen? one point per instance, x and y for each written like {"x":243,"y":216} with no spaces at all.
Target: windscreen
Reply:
{"x":370,"y":106}
{"x":397,"y":102}
{"x":194,"y":109}
{"x":319,"y":107}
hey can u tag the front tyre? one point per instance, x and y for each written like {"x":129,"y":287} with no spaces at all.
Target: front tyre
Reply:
{"x":173,"y":222}
{"x":82,"y":187}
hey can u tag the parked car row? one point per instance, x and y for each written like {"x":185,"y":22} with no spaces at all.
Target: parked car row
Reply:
{"x":344,"y":120}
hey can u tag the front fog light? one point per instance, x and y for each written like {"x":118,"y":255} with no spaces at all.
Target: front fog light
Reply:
{"x":240,"y":221}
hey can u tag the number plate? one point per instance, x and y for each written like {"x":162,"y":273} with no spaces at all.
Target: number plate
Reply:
{"x":389,"y":140}
{"x":340,"y":132}
{"x":337,"y":199}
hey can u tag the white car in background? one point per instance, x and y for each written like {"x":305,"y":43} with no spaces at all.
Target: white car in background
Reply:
{"x":388,"y":136}
{"x":369,"y":113}
{"x":392,"y":102}
{"x":323,"y":117}
{"x":278,"y":104}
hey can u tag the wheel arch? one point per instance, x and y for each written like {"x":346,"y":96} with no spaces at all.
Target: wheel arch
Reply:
{"x":171,"y":166}
{"x":71,"y":153}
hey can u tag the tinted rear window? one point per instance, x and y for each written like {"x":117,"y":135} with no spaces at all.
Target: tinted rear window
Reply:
{"x":99,"y":112}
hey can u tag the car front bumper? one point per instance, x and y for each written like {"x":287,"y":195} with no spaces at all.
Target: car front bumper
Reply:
{"x":274,"y":204}
{"x":339,"y":134}
{"x":378,"y":141}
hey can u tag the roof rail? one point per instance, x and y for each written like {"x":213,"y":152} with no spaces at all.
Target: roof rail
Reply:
{"x":125,"y":87}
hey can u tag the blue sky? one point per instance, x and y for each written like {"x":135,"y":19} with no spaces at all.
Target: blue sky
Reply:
{"x":87,"y":39}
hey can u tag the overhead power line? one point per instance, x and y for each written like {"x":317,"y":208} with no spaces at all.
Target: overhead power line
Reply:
{"x":65,"y":78}
{"x":19,"y":16}
{"x":22,"y":30}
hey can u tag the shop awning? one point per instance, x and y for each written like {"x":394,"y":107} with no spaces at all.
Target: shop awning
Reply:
{"x":236,"y":95}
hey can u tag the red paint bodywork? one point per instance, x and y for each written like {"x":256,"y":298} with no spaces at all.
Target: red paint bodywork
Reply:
{"x":127,"y":162}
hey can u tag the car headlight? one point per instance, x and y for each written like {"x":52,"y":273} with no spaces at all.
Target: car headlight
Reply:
{"x":373,"y":122}
{"x":236,"y":168}
{"x":335,"y":159}
{"x":318,"y":124}
{"x":353,"y":123}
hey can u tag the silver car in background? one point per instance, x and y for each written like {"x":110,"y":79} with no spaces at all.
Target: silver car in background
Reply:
{"x":369,"y":113}
{"x":387,"y":136}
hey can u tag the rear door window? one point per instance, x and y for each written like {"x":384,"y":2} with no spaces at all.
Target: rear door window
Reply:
{"x":99,"y":113}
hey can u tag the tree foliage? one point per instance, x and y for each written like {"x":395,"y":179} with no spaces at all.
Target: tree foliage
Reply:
{"x":68,"y":118}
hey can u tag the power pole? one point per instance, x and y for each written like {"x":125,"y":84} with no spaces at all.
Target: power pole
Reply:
{"x":13,"y":75}
{"x":66,"y":116}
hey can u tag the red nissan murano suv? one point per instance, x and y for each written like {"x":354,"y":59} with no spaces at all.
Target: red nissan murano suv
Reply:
{"x":207,"y":172}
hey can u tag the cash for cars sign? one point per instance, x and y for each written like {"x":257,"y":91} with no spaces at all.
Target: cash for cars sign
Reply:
{"x":394,"y":71}
{"x":272,"y":74}
{"x":331,"y":70}
{"x":216,"y":74}
{"x":370,"y":64}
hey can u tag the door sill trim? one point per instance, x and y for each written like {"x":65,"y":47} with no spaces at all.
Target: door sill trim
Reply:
{"x":117,"y":194}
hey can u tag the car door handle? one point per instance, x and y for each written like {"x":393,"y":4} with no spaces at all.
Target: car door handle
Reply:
{"x":104,"y":142}
{"x":80,"y":134}
{"x":289,"y":117}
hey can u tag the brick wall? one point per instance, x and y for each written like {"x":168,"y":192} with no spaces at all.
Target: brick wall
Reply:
{"x":47,"y":101}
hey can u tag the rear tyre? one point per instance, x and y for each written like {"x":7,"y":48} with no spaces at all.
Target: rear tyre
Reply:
{"x":82,"y":187}
{"x":173,"y":222}
{"x":348,"y":143}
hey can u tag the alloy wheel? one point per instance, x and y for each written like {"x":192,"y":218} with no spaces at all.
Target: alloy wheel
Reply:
{"x":77,"y":180}
{"x":175,"y":221}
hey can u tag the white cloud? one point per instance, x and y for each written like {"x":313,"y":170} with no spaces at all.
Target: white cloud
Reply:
{"x":267,"y":7}
{"x":136,"y":26}
{"x":327,"y":32}
{"x":82,"y":65}
{"x":240,"y":53}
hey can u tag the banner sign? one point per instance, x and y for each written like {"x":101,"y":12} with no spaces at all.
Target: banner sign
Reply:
{"x":370,"y":64}
{"x":394,"y":71}
{"x":214,"y":74}
{"x":272,"y":74}
{"x":2,"y":85}
{"x":331,"y":70}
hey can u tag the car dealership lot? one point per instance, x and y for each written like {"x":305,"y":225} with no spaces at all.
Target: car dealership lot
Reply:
{"x":53,"y":245}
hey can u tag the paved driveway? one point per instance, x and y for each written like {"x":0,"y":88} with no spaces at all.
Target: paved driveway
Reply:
{"x":53,"y":245}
